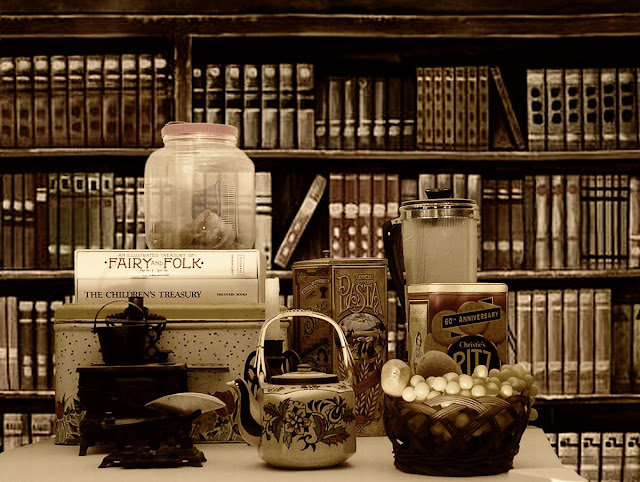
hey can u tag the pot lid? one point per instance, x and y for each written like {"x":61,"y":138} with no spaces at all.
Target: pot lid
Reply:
{"x":327,"y":260}
{"x":304,"y":376}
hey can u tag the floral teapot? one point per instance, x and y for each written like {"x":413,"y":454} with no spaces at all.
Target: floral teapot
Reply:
{"x":301,"y":419}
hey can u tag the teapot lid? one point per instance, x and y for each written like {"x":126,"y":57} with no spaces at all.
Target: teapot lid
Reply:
{"x":304,"y":376}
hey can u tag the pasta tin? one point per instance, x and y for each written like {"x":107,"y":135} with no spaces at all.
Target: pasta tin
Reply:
{"x":468,"y":321}
{"x":354,"y":293}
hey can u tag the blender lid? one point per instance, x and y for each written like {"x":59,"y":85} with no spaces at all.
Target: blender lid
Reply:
{"x":439,"y":208}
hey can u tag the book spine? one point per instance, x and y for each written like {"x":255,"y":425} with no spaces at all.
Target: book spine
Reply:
{"x":489,"y":224}
{"x":635,"y":349}
{"x":592,"y":138}
{"x":365,"y":113}
{"x":59,"y":130}
{"x":129,"y":212}
{"x":444,"y":180}
{"x":364,"y":221}
{"x":7,"y":102}
{"x":129,"y":100}
{"x":77,"y":130}
{"x":622,"y":345}
{"x":572,"y":221}
{"x":555,"y":109}
{"x":269,"y":101}
{"x":524,"y":310}
{"x":590,"y":443}
{"x":13,"y":338}
{"x":264,"y":217}
{"x":503,"y":225}
{"x":570,"y":338}
{"x":79,"y":211}
{"x":623,"y":231}
{"x":118,"y":203}
{"x":18,"y":220}
{"x":141,"y":241}
{"x":408,"y":114}
{"x":336,"y":213}
{"x":602,"y":321}
{"x":627,"y":109}
{"x":474,"y":192}
{"x":542,"y":203}
{"x":233,"y":101}
{"x":378,"y":217}
{"x":350,"y":216}
{"x":392,"y":324}
{"x":426,"y":181}
{"x":408,"y":189}
{"x":595,"y":222}
{"x":335,"y":110}
{"x":428,"y":106}
{"x":41,"y":345}
{"x":600,"y":221}
{"x":573,"y":109}
{"x":460,"y":118}
{"x":420,"y":108}
{"x":631,"y":464}
{"x":558,"y":220}
{"x":321,"y":107}
{"x":93,"y":99}
{"x":612,"y":456}
{"x":7,"y":221}
{"x":300,"y":221}
{"x":163,"y":97}
{"x":380,"y":113}
{"x":112,"y":78}
{"x":459,"y":185}
{"x":472,"y":108}
{"x":483,"y":108}
{"x":394,"y":113}
{"x":14,"y":431}
{"x":529,"y":198}
{"x":197,"y":94}
{"x":287,"y":114}
{"x":634,"y":222}
{"x":609,"y":232}
{"x":512,"y":329}
{"x":350,"y":103}
{"x":449,"y":108}
{"x":609,"y":108}
{"x":251,"y":120}
{"x":29,"y":217}
{"x":536,"y":110}
{"x":554,"y":341}
{"x":65,"y":220}
{"x":26,"y":337}
{"x":569,"y":450}
{"x":145,"y":101}
{"x":517,"y":225}
{"x":305,"y":106}
{"x":107,"y":210}
{"x":53,"y":248}
{"x":42,"y":220}
{"x":24,"y":105}
{"x":438,"y":107}
{"x":94,"y":236}
{"x":616,"y":232}
{"x":4,"y":345}
{"x":505,"y":99}
{"x":393,"y":196}
{"x":586,"y":340}
{"x":539,"y":340}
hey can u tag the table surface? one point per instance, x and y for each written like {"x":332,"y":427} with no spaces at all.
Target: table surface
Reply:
{"x":373,"y":461}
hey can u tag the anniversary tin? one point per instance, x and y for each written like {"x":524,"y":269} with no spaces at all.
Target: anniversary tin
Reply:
{"x":354,"y":293}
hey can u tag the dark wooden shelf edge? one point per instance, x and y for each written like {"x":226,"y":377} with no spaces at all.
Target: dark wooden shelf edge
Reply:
{"x":338,"y":25}
{"x":595,"y":399}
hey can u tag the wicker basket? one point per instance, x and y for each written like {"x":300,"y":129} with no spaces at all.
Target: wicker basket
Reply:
{"x":426,"y":439}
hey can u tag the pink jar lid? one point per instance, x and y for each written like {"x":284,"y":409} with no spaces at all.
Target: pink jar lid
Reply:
{"x":177,"y":128}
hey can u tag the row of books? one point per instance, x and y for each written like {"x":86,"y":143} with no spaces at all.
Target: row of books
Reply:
{"x":564,"y":338}
{"x":47,"y":216}
{"x":85,"y":100}
{"x":599,"y":456}
{"x":20,"y":429}
{"x":272,"y":105}
{"x":26,"y":343}
{"x":453,"y":109}
{"x":582,"y":109}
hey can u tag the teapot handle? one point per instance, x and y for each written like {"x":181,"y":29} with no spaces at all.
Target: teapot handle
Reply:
{"x":261,"y":367}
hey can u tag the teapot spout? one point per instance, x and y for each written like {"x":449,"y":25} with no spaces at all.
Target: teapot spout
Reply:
{"x":250,"y":413}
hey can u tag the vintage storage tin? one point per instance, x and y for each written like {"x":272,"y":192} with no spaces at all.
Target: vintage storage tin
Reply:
{"x":354,"y":293}
{"x":213,"y":340}
{"x":466,"y":320}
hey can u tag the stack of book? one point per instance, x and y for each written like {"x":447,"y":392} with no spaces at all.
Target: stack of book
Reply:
{"x":108,"y":100}
{"x":272,"y":105}
{"x":606,"y":456}
{"x":564,"y":338}
{"x":582,"y":109}
{"x":26,"y":343}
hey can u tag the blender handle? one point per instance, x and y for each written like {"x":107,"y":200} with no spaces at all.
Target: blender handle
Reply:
{"x":392,"y":239}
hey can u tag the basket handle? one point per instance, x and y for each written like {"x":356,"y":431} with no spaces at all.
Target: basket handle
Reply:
{"x":261,"y":367}
{"x":95,"y":319}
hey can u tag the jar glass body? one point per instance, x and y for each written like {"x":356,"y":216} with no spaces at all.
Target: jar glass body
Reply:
{"x":199,"y":194}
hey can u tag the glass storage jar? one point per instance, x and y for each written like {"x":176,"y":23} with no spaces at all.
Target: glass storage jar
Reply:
{"x":199,"y":190}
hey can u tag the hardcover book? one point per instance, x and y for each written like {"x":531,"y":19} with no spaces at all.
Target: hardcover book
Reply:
{"x":4,"y":345}
{"x":321,"y":115}
{"x":18,"y":220}
{"x":214,"y":93}
{"x":233,"y":98}
{"x":570,"y":340}
{"x":602,"y":320}
{"x":569,"y":449}
{"x":472,"y":108}
{"x":503,"y":225}
{"x":129,"y":101}
{"x":517,"y":225}
{"x":380,"y":113}
{"x":79,"y":210}
{"x":378,"y":215}
{"x":515,"y":132}
{"x":420,"y":109}
{"x":269,"y":119}
{"x":612,"y":456}
{"x":26,"y":344}
{"x":591,"y":109}
{"x":449,"y":112}
{"x":42,"y":220}
{"x":609,"y":108}
{"x":107,"y":210}
{"x":394,"y":113}
{"x":408,"y":114}
{"x":305,"y":106}
{"x":631,"y":463}
{"x":622,"y":340}
{"x":590,"y":444}
{"x":13,"y":337}
{"x":145,"y":101}
{"x":627,"y":109}
{"x":163,"y":97}
{"x":59,"y":120}
{"x":93,"y":100}
{"x":336,"y":212}
{"x":536,"y":110}
{"x":129,"y":212}
{"x":428,"y":108}
{"x":350,"y":104}
{"x":438,"y":108}
{"x":364,"y":220}
{"x":65,"y":220}
{"x":264,"y":215}
{"x":197,"y":94}
{"x":539,"y":330}
{"x":524,"y":312}
{"x":335,"y":112}
{"x":558,"y":220}
{"x":24,"y":105}
{"x":573,"y":109}
{"x":251,"y":114}
{"x":7,"y":102}
{"x":460,"y":122}
{"x":350,"y":216}
{"x":77,"y":104}
{"x":543,"y":231}
{"x":112,"y":78}
{"x":483,"y":107}
{"x":572,"y":224}
{"x":586,"y":340}
{"x":94,"y":234}
{"x":29,"y":216}
{"x":554,"y":341}
{"x":365,"y":113}
{"x":53,"y":214}
{"x":489,"y":224}
{"x":287,"y":114}
{"x":634,"y":222}
{"x":555,"y":109}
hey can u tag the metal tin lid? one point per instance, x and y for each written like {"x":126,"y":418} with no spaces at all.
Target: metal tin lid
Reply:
{"x":304,"y":376}
{"x":457,"y":288}
{"x":327,"y":260}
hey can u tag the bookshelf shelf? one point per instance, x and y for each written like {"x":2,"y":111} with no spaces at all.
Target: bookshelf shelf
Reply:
{"x":40,"y":152}
{"x":23,"y":401}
